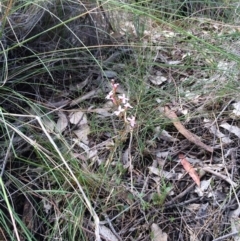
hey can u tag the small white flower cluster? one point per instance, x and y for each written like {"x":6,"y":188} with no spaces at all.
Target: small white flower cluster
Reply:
{"x":121,"y":101}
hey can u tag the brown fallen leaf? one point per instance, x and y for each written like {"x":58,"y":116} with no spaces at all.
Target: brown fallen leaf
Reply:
{"x":158,"y":234}
{"x":188,"y":167}
{"x":190,"y":136}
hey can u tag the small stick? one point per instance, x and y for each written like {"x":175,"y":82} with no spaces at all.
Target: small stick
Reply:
{"x":189,"y":135}
{"x":226,"y":236}
{"x":6,"y":156}
{"x":227,"y":179}
{"x":182,"y":203}
{"x":182,"y":194}
{"x":111,"y":227}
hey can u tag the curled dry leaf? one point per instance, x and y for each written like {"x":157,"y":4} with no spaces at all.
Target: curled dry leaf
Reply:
{"x":158,"y":234}
{"x":188,"y":167}
{"x":190,"y":136}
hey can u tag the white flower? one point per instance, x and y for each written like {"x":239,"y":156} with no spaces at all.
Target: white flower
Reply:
{"x":132,"y":121}
{"x":127,"y":105}
{"x":114,"y":85}
{"x":109,"y":96}
{"x":118,"y":112}
{"x":123,"y":98}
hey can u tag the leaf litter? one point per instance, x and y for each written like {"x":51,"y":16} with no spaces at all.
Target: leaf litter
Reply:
{"x":192,"y":202}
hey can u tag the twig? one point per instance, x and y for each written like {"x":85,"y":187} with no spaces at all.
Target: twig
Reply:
{"x":10,"y":210}
{"x":182,"y":203}
{"x":225,"y":107}
{"x":189,"y":135}
{"x":130,"y":158}
{"x":6,"y":156}
{"x":182,"y":194}
{"x":227,"y":179}
{"x":111,"y":227}
{"x":226,"y":236}
{"x":225,"y":167}
{"x":116,"y":55}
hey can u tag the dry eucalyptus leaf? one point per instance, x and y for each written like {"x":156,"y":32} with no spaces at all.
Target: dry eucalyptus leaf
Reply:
{"x":234,"y":217}
{"x":158,"y":234}
{"x":203,"y":189}
{"x":188,"y":167}
{"x":125,"y":156}
{"x":47,"y":206}
{"x":107,"y":234}
{"x":191,"y":95}
{"x":168,"y":34}
{"x":61,"y":123}
{"x":164,"y":135}
{"x":82,"y":133}
{"x":192,"y":235}
{"x":162,"y":154}
{"x":226,"y":140}
{"x":157,"y":80}
{"x":233,"y":129}
{"x":102,"y":112}
{"x":91,"y":152}
{"x":78,"y":118}
{"x":174,"y":62}
{"x":193,"y":207}
{"x":236,"y":110}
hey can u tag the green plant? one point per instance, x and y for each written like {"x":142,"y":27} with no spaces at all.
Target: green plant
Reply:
{"x":160,"y":197}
